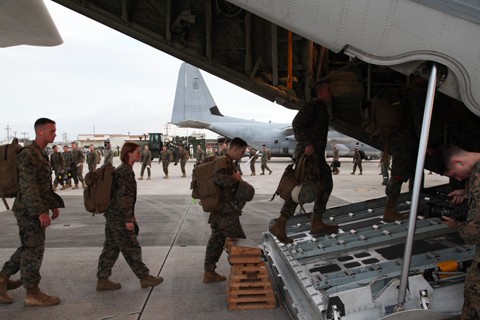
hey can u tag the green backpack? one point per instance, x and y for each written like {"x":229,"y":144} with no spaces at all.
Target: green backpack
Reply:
{"x":8,"y":170}
{"x":203,"y":186}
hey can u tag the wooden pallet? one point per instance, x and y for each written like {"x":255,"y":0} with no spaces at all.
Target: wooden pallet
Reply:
{"x":249,"y":287}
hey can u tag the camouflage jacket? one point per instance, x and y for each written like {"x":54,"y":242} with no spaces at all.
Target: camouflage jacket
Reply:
{"x":35,"y":195}
{"x":77,"y":156}
{"x":223,"y":177}
{"x":124,"y":195}
{"x":67,"y":159}
{"x":200,"y":156}
{"x":310,"y":126}
{"x":92,"y":158}
{"x":108,"y":156}
{"x":183,"y":155}
{"x":146,"y":158}
{"x":470,"y":230}
{"x":166,"y":156}
{"x":57,"y":162}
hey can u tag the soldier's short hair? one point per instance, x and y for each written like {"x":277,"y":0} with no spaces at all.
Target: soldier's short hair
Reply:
{"x":239,"y":142}
{"x":42,"y":122}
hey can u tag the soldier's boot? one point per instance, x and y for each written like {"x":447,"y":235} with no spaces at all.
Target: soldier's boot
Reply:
{"x":184,"y":175}
{"x":4,"y":297}
{"x":166,"y":177}
{"x":14,"y":284}
{"x":83,"y":185}
{"x":150,"y":281}
{"x":107,"y":284}
{"x":149,"y":178}
{"x":63,"y":187}
{"x":360,"y":173}
{"x":352,"y":172}
{"x":391,"y":214}
{"x":75,"y":186}
{"x":278,"y":230}
{"x":262,"y":174}
{"x":318,"y":226}
{"x":270,"y":172}
{"x":36,"y":298}
{"x":213,"y":276}
{"x":141,"y":178}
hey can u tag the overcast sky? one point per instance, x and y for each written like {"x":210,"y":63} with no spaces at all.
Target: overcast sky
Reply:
{"x":100,"y":78}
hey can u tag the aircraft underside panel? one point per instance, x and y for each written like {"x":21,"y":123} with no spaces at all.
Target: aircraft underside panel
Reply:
{"x":390,"y":33}
{"x":355,"y":274}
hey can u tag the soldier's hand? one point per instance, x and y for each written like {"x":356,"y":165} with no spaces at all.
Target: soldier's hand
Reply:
{"x":457,"y":196}
{"x":309,"y":150}
{"x":55,"y":213}
{"x":449,"y":221}
{"x":129,"y":226}
{"x":45,"y":220}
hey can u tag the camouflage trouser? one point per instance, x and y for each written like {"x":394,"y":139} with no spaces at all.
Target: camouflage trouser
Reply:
{"x":143,"y":170}
{"x":471,"y":306}
{"x":324,"y":191}
{"x":165,"y":167}
{"x":77,"y":173}
{"x":359,"y":164}
{"x":118,"y":239}
{"x":264,"y":167}
{"x":252,"y":166}
{"x":28,"y":257}
{"x":403,"y":147}
{"x":182,"y":166}
{"x":384,"y":170}
{"x":222,"y":226}
{"x":92,"y":167}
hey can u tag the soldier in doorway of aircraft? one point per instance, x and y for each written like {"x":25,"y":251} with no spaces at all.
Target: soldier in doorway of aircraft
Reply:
{"x":310,"y":127}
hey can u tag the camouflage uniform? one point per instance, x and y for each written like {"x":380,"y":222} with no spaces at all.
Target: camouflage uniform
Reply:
{"x":67,"y":158}
{"x":403,"y":144}
{"x":254,"y":158}
{"x":77,"y":160}
{"x":146,"y":162}
{"x":310,"y":126}
{"x":117,"y":237}
{"x":184,"y":155}
{"x":108,"y":156}
{"x":470,"y":231}
{"x":58,"y":164}
{"x":35,"y":196}
{"x":336,"y":157}
{"x":357,"y":161}
{"x":165,"y":157}
{"x":200,"y":156}
{"x":384,"y":165}
{"x":226,"y":221}
{"x":92,"y":160}
{"x":264,"y":161}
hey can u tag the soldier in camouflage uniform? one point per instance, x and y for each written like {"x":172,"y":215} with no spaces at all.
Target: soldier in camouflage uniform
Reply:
{"x":92,"y":158}
{"x":68,"y":171}
{"x":403,"y":146}
{"x":226,"y":221}
{"x":58,"y":166}
{"x":183,"y":155}
{"x":200,"y":155}
{"x":108,"y":155}
{"x":253,"y":159}
{"x":357,"y":161}
{"x":146,"y":162}
{"x":34,"y":200}
{"x":310,"y":127}
{"x":463,"y":165}
{"x":165,"y":157}
{"x":264,"y":160}
{"x":77,"y":159}
{"x":120,"y":234}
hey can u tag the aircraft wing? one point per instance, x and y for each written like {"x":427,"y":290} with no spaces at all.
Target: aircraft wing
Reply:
{"x":27,"y":22}
{"x":288,"y":131}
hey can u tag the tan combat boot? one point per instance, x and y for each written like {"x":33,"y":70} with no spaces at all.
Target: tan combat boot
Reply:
{"x":75,"y":186}
{"x":150,"y":281}
{"x":141,"y":178}
{"x":184,"y":175}
{"x":4,"y":297}
{"x":391,"y":214}
{"x":107,"y":284}
{"x":36,"y":298}
{"x":83,"y":185}
{"x":63,"y":187}
{"x":278,"y":230}
{"x":149,"y":178}
{"x":318,"y":226}
{"x":212,"y":276}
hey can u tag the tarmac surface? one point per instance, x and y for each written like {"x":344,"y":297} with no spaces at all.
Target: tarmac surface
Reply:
{"x":173,"y":235}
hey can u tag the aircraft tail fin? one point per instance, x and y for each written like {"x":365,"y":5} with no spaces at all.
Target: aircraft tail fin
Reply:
{"x":193,"y":101}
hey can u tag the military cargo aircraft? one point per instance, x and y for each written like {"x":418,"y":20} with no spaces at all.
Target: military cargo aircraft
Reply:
{"x":194,"y":107}
{"x":367,"y":49}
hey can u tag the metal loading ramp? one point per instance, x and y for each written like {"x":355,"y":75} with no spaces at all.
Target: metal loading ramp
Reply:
{"x":355,"y":273}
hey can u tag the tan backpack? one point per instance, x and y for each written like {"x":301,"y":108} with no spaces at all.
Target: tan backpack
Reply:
{"x":97,"y":195}
{"x":203,"y":186}
{"x":8,"y":170}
